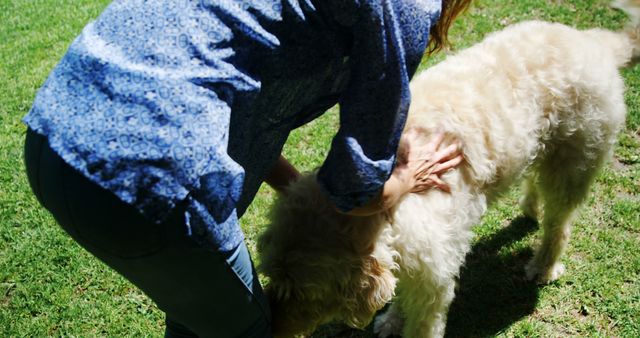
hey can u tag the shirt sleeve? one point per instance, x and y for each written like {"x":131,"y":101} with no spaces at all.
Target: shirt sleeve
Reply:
{"x":389,"y":39}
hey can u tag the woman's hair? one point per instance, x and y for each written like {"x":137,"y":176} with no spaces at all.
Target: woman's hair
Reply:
{"x":438,"y":34}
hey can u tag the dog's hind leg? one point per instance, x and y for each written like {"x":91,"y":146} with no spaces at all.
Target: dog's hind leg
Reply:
{"x":545,"y":264}
{"x":564,"y":181}
{"x":529,"y":202}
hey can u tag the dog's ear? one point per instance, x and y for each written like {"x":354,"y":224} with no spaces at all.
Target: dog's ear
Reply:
{"x":283,"y":324}
{"x":292,"y":316}
{"x":372,"y":289}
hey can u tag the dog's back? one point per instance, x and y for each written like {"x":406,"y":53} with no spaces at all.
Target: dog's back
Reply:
{"x":514,"y":97}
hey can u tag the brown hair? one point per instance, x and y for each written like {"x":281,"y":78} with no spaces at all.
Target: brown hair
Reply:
{"x":438,"y":34}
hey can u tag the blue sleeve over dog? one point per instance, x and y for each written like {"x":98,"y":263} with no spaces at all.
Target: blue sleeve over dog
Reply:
{"x":390,"y":38}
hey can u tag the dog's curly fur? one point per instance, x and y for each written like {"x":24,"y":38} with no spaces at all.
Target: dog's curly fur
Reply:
{"x":537,"y":100}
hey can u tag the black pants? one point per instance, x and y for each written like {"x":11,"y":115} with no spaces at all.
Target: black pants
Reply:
{"x":203,"y":292}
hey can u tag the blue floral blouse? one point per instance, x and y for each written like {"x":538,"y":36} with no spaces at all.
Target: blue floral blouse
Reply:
{"x":171,"y":101}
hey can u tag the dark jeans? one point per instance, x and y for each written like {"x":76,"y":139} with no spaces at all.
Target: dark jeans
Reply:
{"x":203,"y":292}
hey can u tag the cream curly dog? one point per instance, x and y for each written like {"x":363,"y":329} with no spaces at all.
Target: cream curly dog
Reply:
{"x":537,"y":100}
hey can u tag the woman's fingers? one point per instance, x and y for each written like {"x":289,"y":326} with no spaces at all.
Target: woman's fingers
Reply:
{"x":440,"y":168}
{"x":441,"y":161}
{"x":446,"y":153}
{"x":430,"y":182}
{"x":425,"y":168}
{"x":429,"y":161}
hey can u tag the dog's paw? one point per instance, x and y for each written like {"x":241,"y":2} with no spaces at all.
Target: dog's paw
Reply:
{"x":544,"y":275}
{"x":388,"y":324}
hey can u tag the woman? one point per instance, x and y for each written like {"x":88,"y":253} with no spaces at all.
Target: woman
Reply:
{"x":153,"y":133}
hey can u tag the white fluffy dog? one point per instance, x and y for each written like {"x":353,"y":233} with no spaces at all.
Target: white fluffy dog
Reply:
{"x":537,"y":100}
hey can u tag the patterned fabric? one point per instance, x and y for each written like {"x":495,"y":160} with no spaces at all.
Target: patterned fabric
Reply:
{"x":176,"y":101}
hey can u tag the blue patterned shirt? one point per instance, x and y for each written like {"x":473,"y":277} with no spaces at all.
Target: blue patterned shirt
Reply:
{"x":171,"y":101}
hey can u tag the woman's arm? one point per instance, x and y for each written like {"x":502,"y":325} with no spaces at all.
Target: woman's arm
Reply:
{"x":389,"y":40}
{"x":282,"y":174}
{"x":419,"y":172}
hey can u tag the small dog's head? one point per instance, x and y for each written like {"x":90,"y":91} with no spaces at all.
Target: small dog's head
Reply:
{"x":322,"y":265}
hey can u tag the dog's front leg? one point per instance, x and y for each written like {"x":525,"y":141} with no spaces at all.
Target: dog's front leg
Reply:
{"x":390,"y":323}
{"x":425,"y":306}
{"x":420,"y":309}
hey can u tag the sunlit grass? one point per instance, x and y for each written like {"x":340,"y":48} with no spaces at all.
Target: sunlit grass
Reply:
{"x":51,"y":287}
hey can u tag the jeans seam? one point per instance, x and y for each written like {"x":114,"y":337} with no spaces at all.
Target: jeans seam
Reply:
{"x":265,"y":313}
{"x":263,"y":310}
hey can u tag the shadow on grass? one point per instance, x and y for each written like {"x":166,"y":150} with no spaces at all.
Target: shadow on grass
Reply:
{"x":493,"y":292}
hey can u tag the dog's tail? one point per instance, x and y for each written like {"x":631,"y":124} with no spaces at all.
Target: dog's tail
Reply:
{"x":631,"y":7}
{"x":624,"y":44}
{"x":627,"y":49}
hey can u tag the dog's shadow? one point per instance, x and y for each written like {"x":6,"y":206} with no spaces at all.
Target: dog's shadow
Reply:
{"x":492,"y":292}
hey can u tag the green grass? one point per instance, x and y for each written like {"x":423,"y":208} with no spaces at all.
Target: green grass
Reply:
{"x":51,"y":287}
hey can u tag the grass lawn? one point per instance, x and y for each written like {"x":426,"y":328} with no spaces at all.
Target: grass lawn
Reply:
{"x":51,"y":287}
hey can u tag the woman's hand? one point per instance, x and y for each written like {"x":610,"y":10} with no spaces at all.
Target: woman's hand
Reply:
{"x":418,"y":169}
{"x":420,"y":165}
